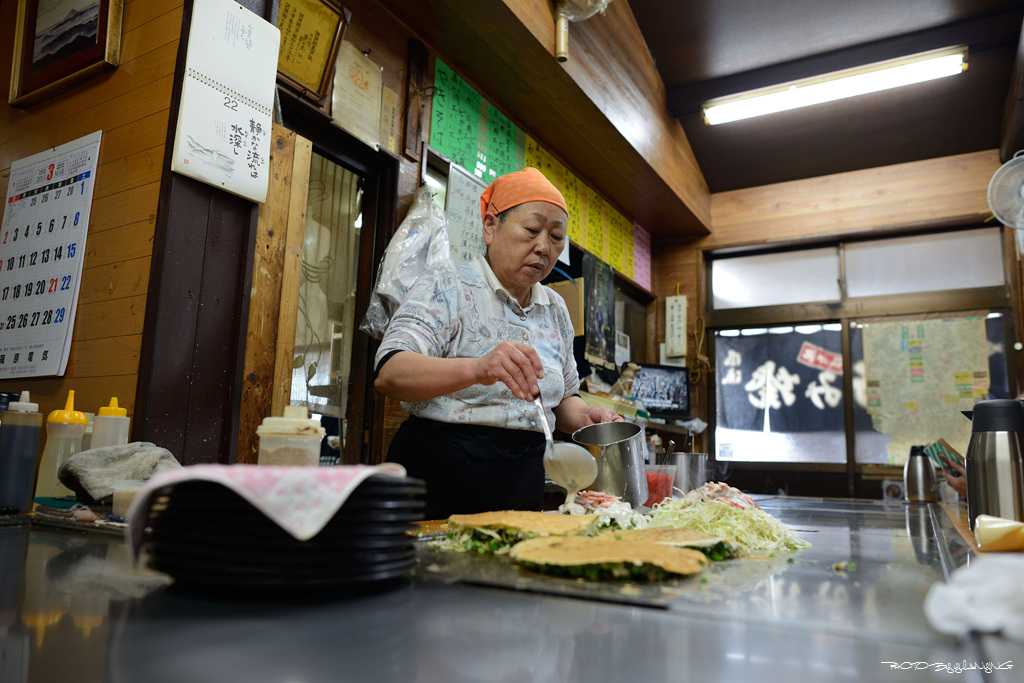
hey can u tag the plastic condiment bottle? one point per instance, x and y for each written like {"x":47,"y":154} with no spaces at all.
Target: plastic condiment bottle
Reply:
{"x":87,"y":437}
{"x":64,"y":430}
{"x":110,"y":426}
{"x":290,"y":440}
{"x":21,"y":425}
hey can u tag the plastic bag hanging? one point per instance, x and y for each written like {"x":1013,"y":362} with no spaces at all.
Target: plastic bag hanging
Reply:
{"x":421,"y":240}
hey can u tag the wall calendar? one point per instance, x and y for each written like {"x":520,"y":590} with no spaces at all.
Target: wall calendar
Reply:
{"x":42,"y":247}
{"x":222,"y":136}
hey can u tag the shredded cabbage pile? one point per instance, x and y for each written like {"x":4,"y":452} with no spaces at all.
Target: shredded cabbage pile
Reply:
{"x":754,"y":528}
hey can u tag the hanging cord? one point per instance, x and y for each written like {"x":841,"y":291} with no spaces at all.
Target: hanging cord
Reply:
{"x":700,"y":363}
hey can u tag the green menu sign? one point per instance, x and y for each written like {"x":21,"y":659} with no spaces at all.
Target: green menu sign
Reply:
{"x":470,"y":131}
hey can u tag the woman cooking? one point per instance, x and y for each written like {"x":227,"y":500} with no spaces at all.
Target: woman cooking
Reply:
{"x":470,"y":348}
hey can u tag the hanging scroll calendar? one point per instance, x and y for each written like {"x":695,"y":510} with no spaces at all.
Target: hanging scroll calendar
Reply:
{"x":227,"y":99}
{"x":42,"y":247}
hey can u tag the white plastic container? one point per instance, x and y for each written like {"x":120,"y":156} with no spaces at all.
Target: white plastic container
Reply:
{"x":125,"y":491}
{"x":87,"y":437}
{"x":110,"y":426}
{"x":292,"y":440}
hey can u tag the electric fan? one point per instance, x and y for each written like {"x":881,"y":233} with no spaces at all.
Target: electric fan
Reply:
{"x":1006,"y":192}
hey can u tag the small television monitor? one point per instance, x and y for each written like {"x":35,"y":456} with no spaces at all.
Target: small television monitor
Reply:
{"x":664,"y":390}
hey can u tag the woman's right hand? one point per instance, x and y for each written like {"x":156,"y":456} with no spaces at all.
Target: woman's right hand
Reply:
{"x":515,"y":364}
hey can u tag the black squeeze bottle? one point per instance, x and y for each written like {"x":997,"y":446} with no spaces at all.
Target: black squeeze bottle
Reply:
{"x":20,"y":428}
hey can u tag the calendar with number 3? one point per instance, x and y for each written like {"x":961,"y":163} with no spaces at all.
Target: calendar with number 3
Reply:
{"x":42,"y":247}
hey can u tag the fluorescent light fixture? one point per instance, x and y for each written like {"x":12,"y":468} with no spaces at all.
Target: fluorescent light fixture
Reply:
{"x":836,"y":86}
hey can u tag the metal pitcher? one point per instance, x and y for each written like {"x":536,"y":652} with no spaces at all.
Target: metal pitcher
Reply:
{"x":995,"y":460}
{"x":919,"y":481}
{"x":618,"y":448}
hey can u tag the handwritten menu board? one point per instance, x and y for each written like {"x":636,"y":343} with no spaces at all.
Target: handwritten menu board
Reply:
{"x":42,"y":247}
{"x":227,"y":99}
{"x":473,"y":134}
{"x":465,"y":230}
{"x":470,"y":131}
{"x":641,"y":257}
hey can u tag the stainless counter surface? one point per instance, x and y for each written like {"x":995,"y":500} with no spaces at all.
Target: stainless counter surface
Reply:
{"x":71,"y":605}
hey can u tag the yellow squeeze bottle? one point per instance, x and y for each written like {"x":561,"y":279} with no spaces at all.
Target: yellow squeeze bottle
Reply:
{"x":64,"y":431}
{"x":110,"y":426}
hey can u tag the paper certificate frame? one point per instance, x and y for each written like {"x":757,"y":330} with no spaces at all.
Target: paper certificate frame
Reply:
{"x":311,"y":32}
{"x":358,"y":88}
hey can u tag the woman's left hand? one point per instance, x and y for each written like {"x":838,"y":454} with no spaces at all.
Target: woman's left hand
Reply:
{"x":572,"y":414}
{"x":597,"y":414}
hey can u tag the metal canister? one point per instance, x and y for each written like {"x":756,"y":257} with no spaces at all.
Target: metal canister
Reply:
{"x":995,"y":460}
{"x":919,"y":481}
{"x":619,"y":449}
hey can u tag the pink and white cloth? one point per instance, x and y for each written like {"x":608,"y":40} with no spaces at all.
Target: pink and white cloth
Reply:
{"x":301,"y":500}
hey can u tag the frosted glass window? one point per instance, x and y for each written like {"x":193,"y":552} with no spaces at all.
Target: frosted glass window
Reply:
{"x":792,"y":277}
{"x":925,"y":263}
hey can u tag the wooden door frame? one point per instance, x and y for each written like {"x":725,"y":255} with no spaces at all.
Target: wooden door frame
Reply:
{"x":380,"y":171}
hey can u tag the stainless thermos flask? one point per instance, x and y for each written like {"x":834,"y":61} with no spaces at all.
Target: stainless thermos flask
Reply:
{"x":995,"y":460}
{"x":919,"y":482}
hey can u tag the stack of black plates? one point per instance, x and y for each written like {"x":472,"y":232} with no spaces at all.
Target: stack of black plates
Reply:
{"x":206,"y":535}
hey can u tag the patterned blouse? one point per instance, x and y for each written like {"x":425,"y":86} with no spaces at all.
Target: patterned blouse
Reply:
{"x":462,"y":311}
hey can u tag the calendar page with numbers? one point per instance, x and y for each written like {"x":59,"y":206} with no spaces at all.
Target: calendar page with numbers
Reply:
{"x":42,"y":247}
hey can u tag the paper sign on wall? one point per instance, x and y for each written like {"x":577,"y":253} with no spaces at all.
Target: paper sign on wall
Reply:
{"x":227,"y":99}
{"x":675,"y":326}
{"x":465,"y":229}
{"x":355,"y":103}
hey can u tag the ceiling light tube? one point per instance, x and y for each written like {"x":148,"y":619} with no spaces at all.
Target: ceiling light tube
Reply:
{"x":881,"y":76}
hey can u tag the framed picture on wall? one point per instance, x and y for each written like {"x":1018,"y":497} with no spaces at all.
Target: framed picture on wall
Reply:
{"x":311,"y":31}
{"x":60,"y":43}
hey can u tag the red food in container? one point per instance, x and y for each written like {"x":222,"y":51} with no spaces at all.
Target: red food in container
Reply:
{"x":659,"y":487}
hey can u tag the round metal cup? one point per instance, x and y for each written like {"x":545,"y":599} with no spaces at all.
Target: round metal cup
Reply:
{"x":618,"y":448}
{"x":691,"y":472}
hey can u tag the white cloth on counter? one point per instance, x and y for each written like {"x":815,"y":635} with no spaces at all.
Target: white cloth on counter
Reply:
{"x":301,"y":500}
{"x":984,"y":596}
{"x":91,"y":473}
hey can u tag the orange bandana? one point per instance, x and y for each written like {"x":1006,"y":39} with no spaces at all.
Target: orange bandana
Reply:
{"x":513,"y":189}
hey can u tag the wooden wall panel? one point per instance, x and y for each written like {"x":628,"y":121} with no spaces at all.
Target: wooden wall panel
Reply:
{"x":277,"y":262}
{"x":114,"y":317}
{"x":109,"y":356}
{"x":946,"y":191}
{"x":113,"y":245}
{"x":99,"y":101}
{"x":125,"y":208}
{"x":131,"y":107}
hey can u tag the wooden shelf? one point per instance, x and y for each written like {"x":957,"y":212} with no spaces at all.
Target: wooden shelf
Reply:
{"x":667,"y":429}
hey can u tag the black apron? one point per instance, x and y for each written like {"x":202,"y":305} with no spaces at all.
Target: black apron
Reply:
{"x":471,"y":468}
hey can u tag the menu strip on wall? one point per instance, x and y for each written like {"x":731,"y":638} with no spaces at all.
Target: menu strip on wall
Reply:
{"x":471,"y":132}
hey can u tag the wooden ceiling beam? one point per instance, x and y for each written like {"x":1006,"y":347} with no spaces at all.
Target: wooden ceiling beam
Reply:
{"x":1011,"y":139}
{"x":582,"y":112}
